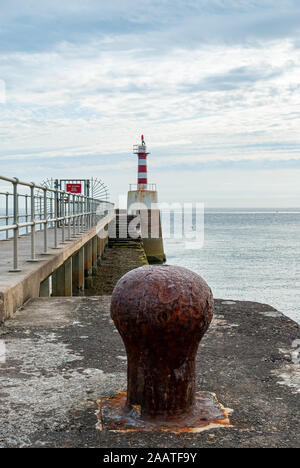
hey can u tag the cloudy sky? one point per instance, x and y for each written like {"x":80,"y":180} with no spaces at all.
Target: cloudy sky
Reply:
{"x":214,"y":85}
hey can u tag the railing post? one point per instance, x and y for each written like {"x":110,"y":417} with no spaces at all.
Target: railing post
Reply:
{"x":15,"y":268}
{"x":62,"y":203}
{"x":90,"y":214}
{"x":81,"y":211}
{"x":80,"y":215}
{"x":46,"y":222}
{"x":77,"y":217}
{"x":74,"y":219}
{"x":40,"y":212}
{"x":6,"y":212}
{"x":51,"y":207}
{"x":84,"y":211}
{"x":94,"y":213}
{"x":86,"y":214}
{"x":32,"y":209}
{"x":55,"y":222}
{"x":18,"y":217}
{"x":69,"y":217}
{"x":26,"y":212}
{"x":87,"y":210}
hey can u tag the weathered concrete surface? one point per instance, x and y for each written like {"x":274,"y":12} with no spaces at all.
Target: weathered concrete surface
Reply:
{"x":16,"y":288}
{"x":64,"y":353}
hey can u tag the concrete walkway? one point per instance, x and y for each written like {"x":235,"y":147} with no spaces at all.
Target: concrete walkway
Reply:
{"x":16,"y":288}
{"x":63,"y":354}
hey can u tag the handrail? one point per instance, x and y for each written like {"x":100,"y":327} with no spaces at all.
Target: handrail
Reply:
{"x":56,"y":209}
{"x":142,"y":187}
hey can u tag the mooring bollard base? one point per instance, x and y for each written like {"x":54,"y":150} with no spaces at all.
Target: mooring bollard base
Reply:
{"x":207,"y":413}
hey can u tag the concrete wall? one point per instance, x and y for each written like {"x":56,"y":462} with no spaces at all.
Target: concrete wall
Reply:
{"x":151,"y":233}
{"x":143,"y":202}
{"x":140,"y":199}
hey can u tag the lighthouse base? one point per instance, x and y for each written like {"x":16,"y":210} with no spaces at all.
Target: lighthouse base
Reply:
{"x":140,"y":200}
{"x":154,"y":250}
{"x":144,"y":204}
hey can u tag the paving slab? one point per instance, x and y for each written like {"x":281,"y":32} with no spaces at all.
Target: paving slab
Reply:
{"x":63,"y":354}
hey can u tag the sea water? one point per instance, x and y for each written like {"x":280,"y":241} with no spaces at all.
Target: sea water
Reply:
{"x":251,"y":255}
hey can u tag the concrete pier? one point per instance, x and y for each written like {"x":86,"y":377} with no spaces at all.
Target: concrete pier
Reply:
{"x":94,"y":255}
{"x":88,"y":265}
{"x":45,"y":288}
{"x":88,"y":259}
{"x":64,"y":354}
{"x":16,"y":288}
{"x":78,"y":272}
{"x":100,"y":248}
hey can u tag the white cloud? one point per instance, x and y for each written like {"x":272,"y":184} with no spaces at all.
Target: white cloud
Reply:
{"x":2,"y":92}
{"x":101,"y":100}
{"x":196,"y":100}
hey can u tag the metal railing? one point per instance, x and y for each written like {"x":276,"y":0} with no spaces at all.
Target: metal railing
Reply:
{"x":140,"y":149}
{"x":44,"y":209}
{"x":142,"y":187}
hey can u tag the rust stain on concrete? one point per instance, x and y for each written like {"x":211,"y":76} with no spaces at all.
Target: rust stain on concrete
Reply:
{"x":207,"y":413}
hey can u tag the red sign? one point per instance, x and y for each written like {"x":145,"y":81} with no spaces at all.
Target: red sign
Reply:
{"x":74,"y":188}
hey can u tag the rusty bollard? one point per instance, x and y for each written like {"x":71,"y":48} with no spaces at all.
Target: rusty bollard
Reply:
{"x":161,"y":313}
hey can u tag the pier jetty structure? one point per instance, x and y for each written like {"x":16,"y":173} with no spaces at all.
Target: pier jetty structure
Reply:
{"x":52,"y":237}
{"x":142,"y":200}
{"x":62,"y":359}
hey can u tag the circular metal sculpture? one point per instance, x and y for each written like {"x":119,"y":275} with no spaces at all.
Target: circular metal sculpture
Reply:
{"x":93,"y":187}
{"x":97,"y":189}
{"x":161,"y":313}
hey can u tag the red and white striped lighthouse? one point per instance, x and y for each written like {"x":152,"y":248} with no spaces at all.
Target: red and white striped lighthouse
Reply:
{"x":142,"y":201}
{"x":141,"y":151}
